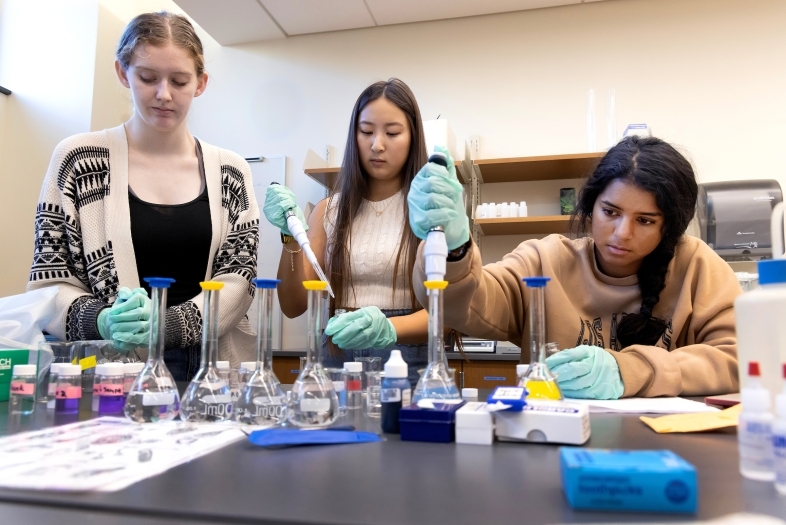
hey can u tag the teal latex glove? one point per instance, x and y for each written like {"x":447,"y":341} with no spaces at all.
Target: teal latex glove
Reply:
{"x":129,"y":319}
{"x":104,"y":327}
{"x":278,"y":200}
{"x":587,"y":372}
{"x":364,"y":328}
{"x":436,"y":199}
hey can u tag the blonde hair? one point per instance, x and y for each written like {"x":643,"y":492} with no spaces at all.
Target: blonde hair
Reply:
{"x":158,"y":29}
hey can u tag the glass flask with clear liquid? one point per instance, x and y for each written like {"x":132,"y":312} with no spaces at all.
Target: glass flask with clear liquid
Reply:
{"x":208,"y":396}
{"x":538,"y":379}
{"x":313,"y":401}
{"x":262,"y":402}
{"x":153,"y":396}
{"x":436,"y":382}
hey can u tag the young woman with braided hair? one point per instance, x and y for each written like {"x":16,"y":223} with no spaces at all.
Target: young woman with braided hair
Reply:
{"x":641,"y":308}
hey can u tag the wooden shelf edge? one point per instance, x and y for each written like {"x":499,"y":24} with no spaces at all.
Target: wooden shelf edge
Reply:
{"x":540,"y":158}
{"x":537,"y":225}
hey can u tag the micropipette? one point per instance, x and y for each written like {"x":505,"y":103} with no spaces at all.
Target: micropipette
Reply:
{"x":299,"y":233}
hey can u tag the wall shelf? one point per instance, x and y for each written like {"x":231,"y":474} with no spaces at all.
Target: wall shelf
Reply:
{"x":542,"y":225}
{"x":547,"y":167}
{"x":327,"y":176}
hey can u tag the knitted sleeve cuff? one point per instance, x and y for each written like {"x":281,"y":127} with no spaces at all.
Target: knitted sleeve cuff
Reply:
{"x":183,"y":325}
{"x":82,"y":317}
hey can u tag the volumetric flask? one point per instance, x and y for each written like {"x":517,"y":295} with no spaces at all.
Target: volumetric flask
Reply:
{"x":538,"y":379}
{"x":313,"y":401}
{"x":153,"y":396}
{"x":436,"y":382}
{"x":208,"y":396}
{"x":262,"y":401}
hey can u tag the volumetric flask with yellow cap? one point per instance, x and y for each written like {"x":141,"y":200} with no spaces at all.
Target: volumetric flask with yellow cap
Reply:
{"x":313,"y":401}
{"x":538,"y":379}
{"x":261,"y":401}
{"x":208,"y":397}
{"x":153,"y":395}
{"x":436,"y":382}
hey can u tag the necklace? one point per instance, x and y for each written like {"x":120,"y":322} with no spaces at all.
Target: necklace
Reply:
{"x":380,"y":212}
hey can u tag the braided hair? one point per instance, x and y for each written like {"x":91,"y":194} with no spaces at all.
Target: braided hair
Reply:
{"x":654,"y":166}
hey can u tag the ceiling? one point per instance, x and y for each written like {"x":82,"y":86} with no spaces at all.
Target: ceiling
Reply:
{"x":240,"y":21}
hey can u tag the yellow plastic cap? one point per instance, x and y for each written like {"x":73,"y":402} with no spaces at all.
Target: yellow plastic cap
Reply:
{"x":211,"y":285}
{"x":315,"y":285}
{"x":435,"y":285}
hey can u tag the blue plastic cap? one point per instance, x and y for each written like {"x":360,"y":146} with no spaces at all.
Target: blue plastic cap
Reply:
{"x":266,"y":283}
{"x":159,"y":282}
{"x":772,"y":271}
{"x":536,"y":282}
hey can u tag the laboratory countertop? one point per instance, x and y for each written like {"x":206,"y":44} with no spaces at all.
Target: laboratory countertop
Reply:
{"x":391,"y":482}
{"x":472,"y":356}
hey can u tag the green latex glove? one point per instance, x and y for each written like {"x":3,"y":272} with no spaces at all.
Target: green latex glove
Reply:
{"x":278,"y":201}
{"x":587,"y":372}
{"x":129,"y":319}
{"x":436,"y":199}
{"x":364,"y":328}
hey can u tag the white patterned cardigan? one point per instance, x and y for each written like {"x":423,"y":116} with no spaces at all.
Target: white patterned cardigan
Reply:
{"x":83,"y":242}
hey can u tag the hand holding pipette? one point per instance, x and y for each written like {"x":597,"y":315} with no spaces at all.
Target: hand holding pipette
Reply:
{"x":282,"y":211}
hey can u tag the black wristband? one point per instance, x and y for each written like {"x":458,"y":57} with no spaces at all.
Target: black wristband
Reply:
{"x":460,"y":252}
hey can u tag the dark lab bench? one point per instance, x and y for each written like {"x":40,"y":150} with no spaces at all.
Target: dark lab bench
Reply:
{"x":391,"y":482}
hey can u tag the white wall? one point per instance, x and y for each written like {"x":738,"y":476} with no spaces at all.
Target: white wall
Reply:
{"x":47,"y":61}
{"x":704,"y":74}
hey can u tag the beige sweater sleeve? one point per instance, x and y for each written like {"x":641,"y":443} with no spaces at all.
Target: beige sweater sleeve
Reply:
{"x":491,"y":298}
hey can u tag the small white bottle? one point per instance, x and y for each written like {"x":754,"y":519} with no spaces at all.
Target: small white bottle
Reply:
{"x":779,"y":438}
{"x":521,"y":370}
{"x":505,"y":210}
{"x":492,"y":210}
{"x":523,"y":209}
{"x":484,"y":211}
{"x":498,"y":208}
{"x":21,"y":398}
{"x":754,"y":433}
{"x":514,"y":209}
{"x":479,"y":211}
{"x":354,"y":385}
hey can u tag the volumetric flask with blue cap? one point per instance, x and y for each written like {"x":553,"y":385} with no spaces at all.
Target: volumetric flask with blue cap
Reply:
{"x":208,"y":396}
{"x":262,"y":402}
{"x":153,"y":396}
{"x":313,"y":401}
{"x":538,"y":379}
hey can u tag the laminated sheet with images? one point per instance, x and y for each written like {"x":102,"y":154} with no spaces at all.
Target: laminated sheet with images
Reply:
{"x":105,"y":454}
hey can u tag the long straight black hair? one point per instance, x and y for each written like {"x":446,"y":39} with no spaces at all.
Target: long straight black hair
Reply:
{"x":353,"y":185}
{"x":654,"y":166}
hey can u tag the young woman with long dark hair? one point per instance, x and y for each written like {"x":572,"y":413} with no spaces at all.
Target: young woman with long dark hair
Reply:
{"x":361,"y":235}
{"x":641,"y":308}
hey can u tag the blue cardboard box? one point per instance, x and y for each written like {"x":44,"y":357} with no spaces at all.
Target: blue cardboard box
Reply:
{"x":436,"y":425}
{"x":634,"y":480}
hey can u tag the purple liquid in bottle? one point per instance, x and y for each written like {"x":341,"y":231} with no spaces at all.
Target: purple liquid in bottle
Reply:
{"x":67,"y":406}
{"x":111,"y":404}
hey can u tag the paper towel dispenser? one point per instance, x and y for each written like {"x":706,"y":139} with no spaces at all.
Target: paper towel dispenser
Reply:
{"x":734,"y":217}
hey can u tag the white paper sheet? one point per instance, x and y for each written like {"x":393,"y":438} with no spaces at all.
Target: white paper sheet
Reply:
{"x":646,"y":405}
{"x":105,"y":454}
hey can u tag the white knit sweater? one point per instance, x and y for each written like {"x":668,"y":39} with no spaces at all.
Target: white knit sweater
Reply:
{"x":83,"y":242}
{"x":373,"y":245}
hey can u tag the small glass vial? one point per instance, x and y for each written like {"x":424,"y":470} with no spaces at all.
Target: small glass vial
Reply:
{"x":69,"y":389}
{"x":54,"y":369}
{"x":97,"y":387}
{"x":130,"y":373}
{"x":354,"y":387}
{"x":22,"y":396}
{"x":111,"y":378}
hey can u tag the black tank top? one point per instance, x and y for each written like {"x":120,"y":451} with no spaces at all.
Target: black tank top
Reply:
{"x":173,"y":240}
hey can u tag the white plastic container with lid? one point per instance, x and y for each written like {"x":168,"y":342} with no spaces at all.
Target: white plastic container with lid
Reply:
{"x":474,"y":424}
{"x":504,"y":210}
{"x":754,"y":432}
{"x":523,"y":209}
{"x":761,"y":331}
{"x":469,"y":394}
{"x":492,"y":211}
{"x":484,"y":210}
{"x":779,"y":439}
{"x":130,"y":373}
{"x":354,"y":384}
{"x":513,"y":209}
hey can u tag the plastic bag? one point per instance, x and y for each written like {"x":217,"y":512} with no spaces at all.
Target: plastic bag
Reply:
{"x":23,"y":318}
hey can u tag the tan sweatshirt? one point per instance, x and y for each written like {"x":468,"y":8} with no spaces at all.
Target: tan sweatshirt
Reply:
{"x":697,"y":354}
